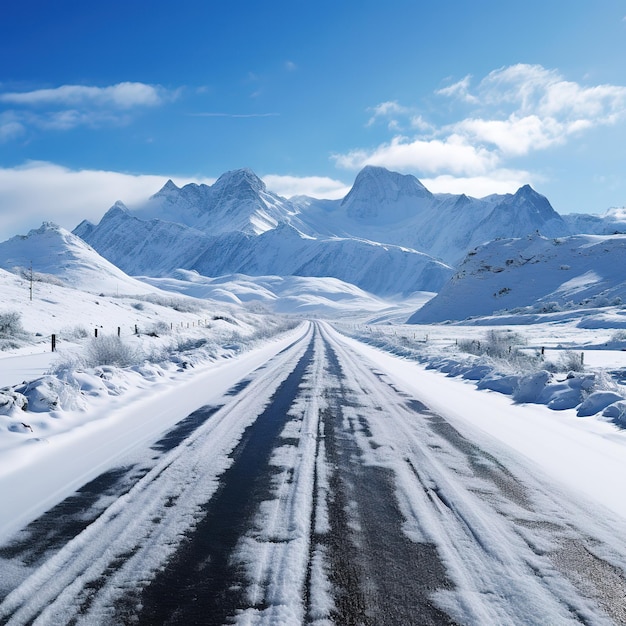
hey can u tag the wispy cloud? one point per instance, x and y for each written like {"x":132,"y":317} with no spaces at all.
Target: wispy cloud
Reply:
{"x":121,"y":96}
{"x":70,"y":106}
{"x":10,"y":127}
{"x":459,"y":90}
{"x":397,"y":116}
{"x":512,"y":112}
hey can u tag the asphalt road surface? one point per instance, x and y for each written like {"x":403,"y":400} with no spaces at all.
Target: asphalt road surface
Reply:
{"x":316,"y":491}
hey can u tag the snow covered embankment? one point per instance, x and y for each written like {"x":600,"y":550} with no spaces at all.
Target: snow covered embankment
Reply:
{"x":108,"y":367}
{"x":496,"y":363}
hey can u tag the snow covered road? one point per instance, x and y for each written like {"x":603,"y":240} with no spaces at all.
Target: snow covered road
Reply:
{"x":316,"y":490}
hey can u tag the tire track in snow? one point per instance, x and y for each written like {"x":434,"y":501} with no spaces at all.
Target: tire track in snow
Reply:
{"x":202,"y":583}
{"x":285,"y":582}
{"x":380,"y":577}
{"x":499,"y":537}
{"x":121,"y":550}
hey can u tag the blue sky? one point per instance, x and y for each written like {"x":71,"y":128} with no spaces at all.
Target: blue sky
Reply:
{"x":105,"y":101}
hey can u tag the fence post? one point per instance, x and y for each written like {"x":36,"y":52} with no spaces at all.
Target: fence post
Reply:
{"x":96,"y":332}
{"x":54,"y":343}
{"x":119,"y":331}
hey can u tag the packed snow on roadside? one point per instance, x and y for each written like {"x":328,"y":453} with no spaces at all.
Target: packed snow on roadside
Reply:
{"x":559,"y":362}
{"x":107,"y":346}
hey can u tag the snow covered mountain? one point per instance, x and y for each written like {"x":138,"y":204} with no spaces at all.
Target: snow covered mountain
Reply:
{"x":379,"y":196}
{"x":548,"y":274}
{"x":143,"y":246}
{"x":237,"y":226}
{"x":385,"y":236}
{"x":214,"y":229}
{"x":56,"y":254}
{"x":395,"y":208}
{"x":156,"y":248}
{"x":611,"y":223}
{"x":238,"y":201}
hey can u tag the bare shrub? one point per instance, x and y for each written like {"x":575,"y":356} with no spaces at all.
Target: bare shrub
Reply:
{"x":571,"y":361}
{"x":12,"y":334}
{"x":111,"y":350}
{"x":10,"y":323}
{"x":158,"y":329}
{"x":497,"y":344}
{"x":75,"y":332}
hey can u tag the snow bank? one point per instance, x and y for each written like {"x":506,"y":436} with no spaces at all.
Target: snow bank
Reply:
{"x":495,"y":363}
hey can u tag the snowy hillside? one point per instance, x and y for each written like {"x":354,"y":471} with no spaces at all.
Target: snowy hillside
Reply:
{"x":52,"y":251}
{"x":582,"y":270}
{"x":307,"y":296}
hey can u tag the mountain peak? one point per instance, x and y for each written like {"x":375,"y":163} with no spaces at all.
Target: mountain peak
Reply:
{"x":517,"y":215}
{"x":533,"y":201}
{"x":378,"y":193}
{"x":240,"y":179}
{"x":526,"y":191}
{"x":169,"y":186}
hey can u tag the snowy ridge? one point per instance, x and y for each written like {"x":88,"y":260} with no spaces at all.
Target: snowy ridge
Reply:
{"x":301,"y":295}
{"x":54,"y":251}
{"x":569,"y":272}
{"x":394,"y":208}
{"x":387,"y":221}
{"x":237,"y":201}
{"x":157,"y":248}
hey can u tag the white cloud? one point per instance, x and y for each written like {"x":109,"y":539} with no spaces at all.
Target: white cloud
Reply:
{"x":121,"y":96}
{"x":389,"y":109}
{"x":71,"y":106}
{"x":511,"y":113}
{"x":498,"y":181}
{"x":544,"y":109}
{"x":514,"y":136}
{"x":398,"y":117}
{"x":459,"y":90}
{"x":41,"y":191}
{"x":314,"y":186}
{"x":532,"y":89}
{"x":453,"y":154}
